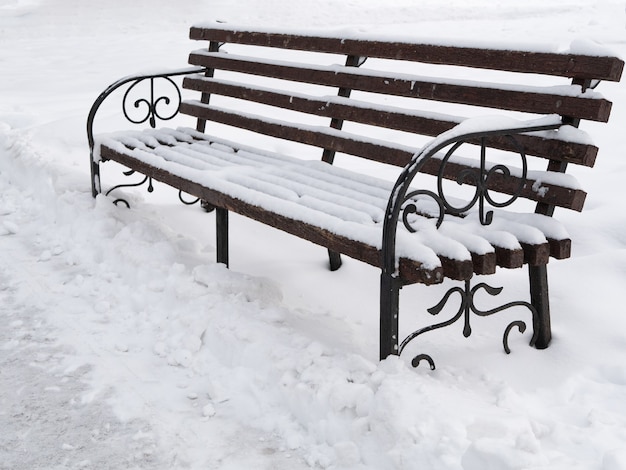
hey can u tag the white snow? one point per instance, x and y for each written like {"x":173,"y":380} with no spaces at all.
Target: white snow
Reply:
{"x":124,"y":346}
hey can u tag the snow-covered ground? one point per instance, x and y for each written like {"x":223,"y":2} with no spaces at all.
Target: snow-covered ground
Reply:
{"x":124,"y":346}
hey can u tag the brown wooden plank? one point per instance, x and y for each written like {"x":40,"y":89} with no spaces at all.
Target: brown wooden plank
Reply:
{"x":477,"y":95}
{"x":317,"y":137}
{"x":536,"y":255}
{"x":556,"y":195}
{"x":411,"y":273}
{"x":567,"y":198}
{"x":533,"y":254}
{"x":457,"y":270}
{"x":560,"y":249}
{"x":510,"y":259}
{"x":484,"y":263}
{"x":569,"y":152}
{"x":553,"y":149}
{"x":566,"y":64}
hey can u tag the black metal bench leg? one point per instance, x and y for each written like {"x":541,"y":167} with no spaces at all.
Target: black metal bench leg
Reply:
{"x":335,"y":260}
{"x":539,"y":299}
{"x":389,"y":308}
{"x":95,"y":178}
{"x":221,"y":224}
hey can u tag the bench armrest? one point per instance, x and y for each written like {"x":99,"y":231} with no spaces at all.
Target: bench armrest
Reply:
{"x":474,"y":130}
{"x":150,"y":103}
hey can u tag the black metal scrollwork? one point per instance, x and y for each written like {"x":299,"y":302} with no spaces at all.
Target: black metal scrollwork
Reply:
{"x":154,"y":108}
{"x":480,"y":178}
{"x":410,"y":207}
{"x":156,"y":105}
{"x":150,"y":189}
{"x":184,"y":201}
{"x":466,"y":307}
{"x":152,"y":105}
{"x":130,"y":185}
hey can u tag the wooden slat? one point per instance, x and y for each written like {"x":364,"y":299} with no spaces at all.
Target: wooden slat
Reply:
{"x":553,"y":149}
{"x":556,"y":195}
{"x":484,"y":263}
{"x":567,"y":198}
{"x":507,"y":258}
{"x":457,"y":270}
{"x":475,"y":94}
{"x":566,"y":65}
{"x":536,"y":255}
{"x":560,"y":249}
{"x":569,"y":152}
{"x":318,"y":137}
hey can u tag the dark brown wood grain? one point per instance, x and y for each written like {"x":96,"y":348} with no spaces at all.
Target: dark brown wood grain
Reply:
{"x":487,"y":96}
{"x":571,"y":152}
{"x":566,"y":64}
{"x":560,"y":249}
{"x":536,"y":255}
{"x":484,"y":263}
{"x":508,"y":258}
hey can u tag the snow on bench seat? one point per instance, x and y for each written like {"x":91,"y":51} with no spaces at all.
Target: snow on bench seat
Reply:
{"x":342,"y":204}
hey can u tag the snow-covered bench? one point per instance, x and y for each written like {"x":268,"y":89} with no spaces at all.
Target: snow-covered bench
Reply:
{"x":488,"y":118}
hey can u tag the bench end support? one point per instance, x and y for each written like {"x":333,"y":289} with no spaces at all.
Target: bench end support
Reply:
{"x":389,"y":310}
{"x":221,"y":229}
{"x":539,"y":299}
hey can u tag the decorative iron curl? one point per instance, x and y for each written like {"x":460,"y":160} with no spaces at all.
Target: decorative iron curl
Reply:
{"x":150,"y":189}
{"x":401,"y":188}
{"x":409,"y":207}
{"x":151,"y":114}
{"x":130,"y":185}
{"x":184,"y":201}
{"x":152,"y":104}
{"x":466,"y":307}
{"x":481,"y":178}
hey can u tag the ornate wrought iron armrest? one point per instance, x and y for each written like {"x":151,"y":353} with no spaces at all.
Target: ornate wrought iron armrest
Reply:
{"x":474,"y":130}
{"x":150,"y":102}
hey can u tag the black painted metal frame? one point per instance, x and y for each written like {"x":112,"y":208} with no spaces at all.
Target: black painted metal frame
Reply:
{"x":151,"y":105}
{"x":400,"y":208}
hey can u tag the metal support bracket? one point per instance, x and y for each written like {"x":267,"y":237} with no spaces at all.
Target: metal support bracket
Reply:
{"x":466,"y":307}
{"x":150,"y":188}
{"x":130,"y":185}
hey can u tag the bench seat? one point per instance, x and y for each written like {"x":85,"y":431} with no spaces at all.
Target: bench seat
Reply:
{"x":334,"y":204}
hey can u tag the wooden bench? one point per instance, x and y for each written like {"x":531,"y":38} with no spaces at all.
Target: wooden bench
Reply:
{"x":424,"y":111}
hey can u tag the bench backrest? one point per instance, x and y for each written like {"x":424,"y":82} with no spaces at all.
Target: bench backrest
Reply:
{"x":252,"y":73}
